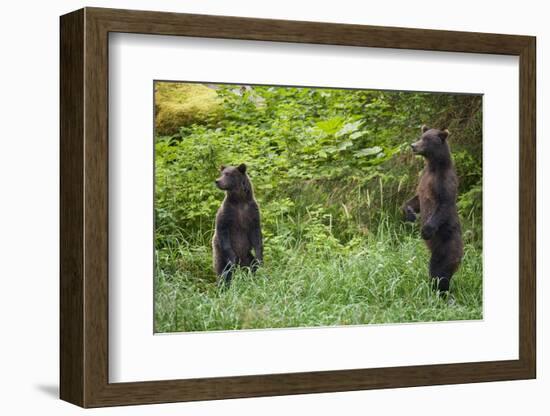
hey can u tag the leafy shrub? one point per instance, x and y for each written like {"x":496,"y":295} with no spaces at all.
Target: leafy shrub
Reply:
{"x":330,"y":169}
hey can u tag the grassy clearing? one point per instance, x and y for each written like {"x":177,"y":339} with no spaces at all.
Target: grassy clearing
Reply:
{"x":381,"y":279}
{"x":330,"y":169}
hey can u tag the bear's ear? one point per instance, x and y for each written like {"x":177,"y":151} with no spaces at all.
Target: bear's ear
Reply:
{"x":425,"y":128}
{"x":242,"y":168}
{"x":222,"y":167}
{"x":444,"y":134}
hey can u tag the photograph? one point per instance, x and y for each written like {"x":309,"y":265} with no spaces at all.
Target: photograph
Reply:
{"x":282,"y":206}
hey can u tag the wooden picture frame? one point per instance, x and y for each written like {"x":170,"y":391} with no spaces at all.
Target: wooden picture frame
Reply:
{"x":84,"y":207}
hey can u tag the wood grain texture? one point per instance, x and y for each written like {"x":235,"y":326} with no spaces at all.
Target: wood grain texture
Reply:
{"x":71,"y":213}
{"x":162,"y":23}
{"x":84,"y":205}
{"x":527,"y":208}
{"x":96,"y":208}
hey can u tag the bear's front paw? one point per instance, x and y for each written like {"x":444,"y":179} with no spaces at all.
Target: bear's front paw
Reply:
{"x":428,"y":231}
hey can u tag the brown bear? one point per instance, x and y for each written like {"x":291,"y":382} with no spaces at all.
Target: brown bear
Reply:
{"x":435,"y":200}
{"x":238,"y":228}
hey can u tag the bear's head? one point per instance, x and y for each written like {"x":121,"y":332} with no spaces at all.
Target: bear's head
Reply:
{"x":234,"y":180}
{"x":432,"y":144}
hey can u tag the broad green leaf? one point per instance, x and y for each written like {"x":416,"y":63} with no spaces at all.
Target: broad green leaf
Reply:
{"x":344,"y":145}
{"x":349,"y":128}
{"x":357,"y":134}
{"x":330,"y":126}
{"x":369,"y":151}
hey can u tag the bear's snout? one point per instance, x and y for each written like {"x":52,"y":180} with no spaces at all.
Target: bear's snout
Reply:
{"x":417,"y":147}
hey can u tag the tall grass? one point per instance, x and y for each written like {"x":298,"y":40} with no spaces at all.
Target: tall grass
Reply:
{"x":381,"y":279}
{"x":330,"y":170}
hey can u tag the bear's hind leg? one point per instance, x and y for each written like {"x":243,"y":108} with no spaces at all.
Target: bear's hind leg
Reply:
{"x":223,"y":268}
{"x":252,"y":262}
{"x":440,"y":273}
{"x":225,"y":274}
{"x":442,"y":284}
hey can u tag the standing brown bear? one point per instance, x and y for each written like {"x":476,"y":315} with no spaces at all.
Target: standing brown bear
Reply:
{"x":238,"y":228}
{"x":435,"y":200}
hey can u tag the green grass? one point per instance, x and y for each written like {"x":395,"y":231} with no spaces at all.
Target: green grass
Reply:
{"x":330,"y":170}
{"x":381,"y":278}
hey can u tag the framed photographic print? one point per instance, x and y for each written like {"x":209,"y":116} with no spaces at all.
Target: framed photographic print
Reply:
{"x":255,"y":207}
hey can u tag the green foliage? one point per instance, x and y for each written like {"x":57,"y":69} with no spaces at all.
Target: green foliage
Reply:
{"x":330,"y":170}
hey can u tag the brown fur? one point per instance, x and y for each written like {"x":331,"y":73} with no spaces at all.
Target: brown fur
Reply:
{"x":238,"y":229}
{"x":435,"y":201}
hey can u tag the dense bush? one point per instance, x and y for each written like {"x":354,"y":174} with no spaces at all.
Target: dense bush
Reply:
{"x":330,"y":169}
